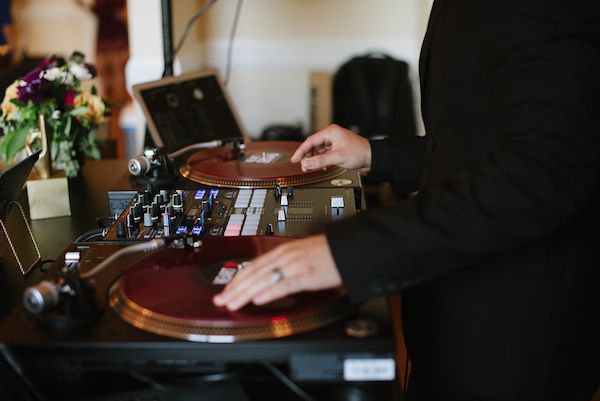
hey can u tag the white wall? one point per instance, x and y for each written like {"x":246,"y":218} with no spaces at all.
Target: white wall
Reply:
{"x":278,"y":42}
{"x":48,"y":27}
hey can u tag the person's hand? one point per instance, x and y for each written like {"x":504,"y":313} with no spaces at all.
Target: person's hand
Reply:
{"x":300,"y":265}
{"x":334,"y":146}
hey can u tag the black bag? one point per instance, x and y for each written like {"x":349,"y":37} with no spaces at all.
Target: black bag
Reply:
{"x":372,"y":96}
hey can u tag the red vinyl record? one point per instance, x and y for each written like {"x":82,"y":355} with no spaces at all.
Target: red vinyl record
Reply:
{"x":170,"y":293}
{"x":262,"y":165}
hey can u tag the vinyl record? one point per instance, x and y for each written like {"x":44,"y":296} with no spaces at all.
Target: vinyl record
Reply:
{"x":262,"y":165}
{"x":170,"y":293}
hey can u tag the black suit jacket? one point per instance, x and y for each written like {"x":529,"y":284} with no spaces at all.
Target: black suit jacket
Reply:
{"x":499,"y":253}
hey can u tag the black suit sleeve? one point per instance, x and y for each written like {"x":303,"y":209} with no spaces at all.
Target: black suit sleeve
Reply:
{"x":399,"y":159}
{"x":540,"y":175}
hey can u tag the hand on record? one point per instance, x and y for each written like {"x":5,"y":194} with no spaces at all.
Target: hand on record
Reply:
{"x":301,"y":265}
{"x":334,"y":146}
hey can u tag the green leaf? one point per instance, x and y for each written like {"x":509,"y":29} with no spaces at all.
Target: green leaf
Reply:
{"x":4,"y":145}
{"x":68,"y":126}
{"x":78,"y":111}
{"x":17,"y":142}
{"x":53,"y":150}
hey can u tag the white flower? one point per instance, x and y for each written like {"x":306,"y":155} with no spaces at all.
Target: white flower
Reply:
{"x":80,"y":72}
{"x":56,"y":114}
{"x":68,"y":79}
{"x":53,"y":73}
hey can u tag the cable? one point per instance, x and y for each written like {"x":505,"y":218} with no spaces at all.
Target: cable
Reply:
{"x":154,"y":385}
{"x":287,"y":381}
{"x":17,"y":370}
{"x":105,"y":222}
{"x":141,"y":247}
{"x":236,"y":19}
{"x":202,"y":145}
{"x":86,"y":236}
{"x":203,"y":10}
{"x":43,"y":262}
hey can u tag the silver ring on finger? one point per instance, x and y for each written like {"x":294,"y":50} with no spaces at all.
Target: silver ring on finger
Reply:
{"x":277,"y":274}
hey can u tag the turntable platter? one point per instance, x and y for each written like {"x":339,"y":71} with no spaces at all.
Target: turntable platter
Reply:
{"x":170,"y":293}
{"x":263,"y":165}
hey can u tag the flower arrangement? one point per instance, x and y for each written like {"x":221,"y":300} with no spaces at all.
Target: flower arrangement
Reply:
{"x":71,"y":111}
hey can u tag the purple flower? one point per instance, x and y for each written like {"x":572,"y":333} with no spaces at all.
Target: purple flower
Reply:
{"x":31,"y":90}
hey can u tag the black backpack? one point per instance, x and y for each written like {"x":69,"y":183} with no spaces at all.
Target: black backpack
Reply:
{"x":372,"y":96}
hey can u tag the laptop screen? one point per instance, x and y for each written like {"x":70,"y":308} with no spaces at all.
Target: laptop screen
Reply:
{"x":188,"y":109}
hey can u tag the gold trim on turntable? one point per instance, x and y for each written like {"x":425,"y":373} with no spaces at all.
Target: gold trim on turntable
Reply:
{"x":220,"y":332}
{"x":230,"y":182}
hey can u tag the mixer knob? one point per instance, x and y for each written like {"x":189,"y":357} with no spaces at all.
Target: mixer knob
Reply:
{"x":142,"y":199}
{"x":140,"y":210}
{"x":211,"y":203}
{"x":165,"y":195}
{"x":290,"y":192}
{"x":158,"y":199}
{"x":135,"y":212}
{"x":269,"y":229}
{"x":148,"y":218}
{"x":177,"y":202}
{"x":202,"y":218}
{"x":277,"y":192}
{"x":155,"y":213}
{"x":129,"y":220}
{"x":120,"y":229}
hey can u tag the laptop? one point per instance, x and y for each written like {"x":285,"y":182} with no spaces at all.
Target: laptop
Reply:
{"x":187,"y":109}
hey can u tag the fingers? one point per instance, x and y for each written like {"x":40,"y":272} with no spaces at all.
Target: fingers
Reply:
{"x":255,"y":277}
{"x":290,"y":285}
{"x":320,"y":161}
{"x":307,"y":147}
{"x":299,"y":265}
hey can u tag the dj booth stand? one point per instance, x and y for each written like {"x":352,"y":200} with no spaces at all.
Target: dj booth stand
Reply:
{"x":88,"y":362}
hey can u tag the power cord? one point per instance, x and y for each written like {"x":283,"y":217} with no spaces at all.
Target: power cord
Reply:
{"x":89,"y":235}
{"x":287,"y":381}
{"x":18,"y":371}
{"x":183,"y":381}
{"x":236,"y":19}
{"x":43,"y":262}
{"x":203,"y":10}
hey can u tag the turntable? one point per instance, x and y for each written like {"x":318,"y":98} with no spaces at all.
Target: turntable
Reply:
{"x":262,"y":165}
{"x":188,"y":279}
